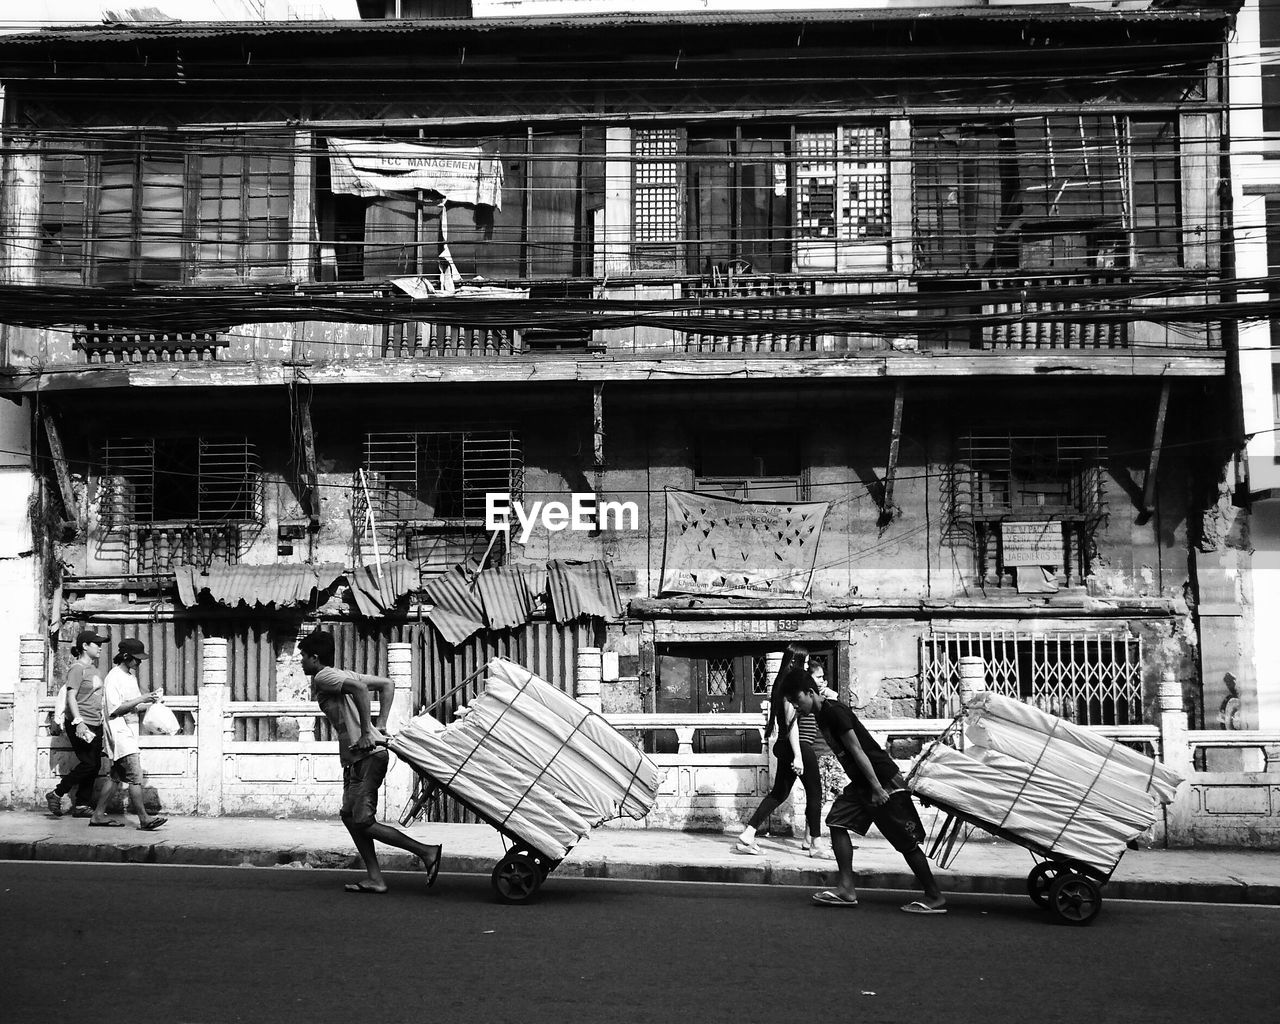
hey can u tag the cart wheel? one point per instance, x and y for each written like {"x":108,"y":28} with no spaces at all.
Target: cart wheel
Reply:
{"x":1074,"y":899}
{"x":1039,"y":880}
{"x":517,"y":876}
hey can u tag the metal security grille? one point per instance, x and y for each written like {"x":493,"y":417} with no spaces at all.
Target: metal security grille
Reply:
{"x":181,"y":481}
{"x":1032,"y":475}
{"x":760,"y":681}
{"x":1086,"y":678}
{"x":442,"y":475}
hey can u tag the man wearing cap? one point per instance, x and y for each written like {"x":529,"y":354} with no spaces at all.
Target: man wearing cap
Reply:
{"x":121,"y":699}
{"x":82,"y":722}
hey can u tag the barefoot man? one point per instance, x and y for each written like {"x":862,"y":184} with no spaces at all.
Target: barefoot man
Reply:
{"x":344,"y":699}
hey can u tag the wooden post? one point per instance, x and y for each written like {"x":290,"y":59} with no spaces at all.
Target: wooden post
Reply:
{"x":211,"y":726}
{"x":26,"y":719}
{"x":399,"y":784}
{"x":1153,"y":465}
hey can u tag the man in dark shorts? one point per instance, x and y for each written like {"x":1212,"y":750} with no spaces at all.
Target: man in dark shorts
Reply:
{"x":344,"y":699}
{"x":876,"y":795}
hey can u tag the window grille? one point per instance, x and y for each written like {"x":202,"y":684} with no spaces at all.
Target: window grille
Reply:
{"x":720,"y":680}
{"x":152,"y":480}
{"x":442,"y":475}
{"x":1055,"y":479}
{"x":1088,"y":678}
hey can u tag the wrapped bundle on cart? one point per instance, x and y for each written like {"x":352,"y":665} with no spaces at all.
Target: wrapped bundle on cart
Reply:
{"x":1071,"y":796}
{"x":532,"y":762}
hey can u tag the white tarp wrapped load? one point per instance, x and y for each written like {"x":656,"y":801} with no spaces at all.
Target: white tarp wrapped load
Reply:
{"x":1049,"y":782}
{"x":533,"y":760}
{"x":1021,"y":731}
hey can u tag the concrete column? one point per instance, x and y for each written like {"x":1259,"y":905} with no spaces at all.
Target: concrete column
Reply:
{"x":399,"y":784}
{"x":772,"y":666}
{"x":212,"y":725}
{"x":586,"y":685}
{"x":26,"y":720}
{"x":1176,"y":754}
{"x":973,"y":678}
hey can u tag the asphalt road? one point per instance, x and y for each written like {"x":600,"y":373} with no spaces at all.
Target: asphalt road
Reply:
{"x":145,"y":943}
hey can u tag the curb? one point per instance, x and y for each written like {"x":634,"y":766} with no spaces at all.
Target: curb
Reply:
{"x":1219,"y":892}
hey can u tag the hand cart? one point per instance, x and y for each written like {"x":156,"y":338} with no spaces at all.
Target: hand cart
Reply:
{"x":539,"y":768}
{"x":1069,"y":887}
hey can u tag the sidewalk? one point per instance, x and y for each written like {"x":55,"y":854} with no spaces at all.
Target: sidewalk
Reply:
{"x":1214,"y":876}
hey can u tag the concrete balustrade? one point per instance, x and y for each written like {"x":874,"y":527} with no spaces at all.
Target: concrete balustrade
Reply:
{"x":210,"y":772}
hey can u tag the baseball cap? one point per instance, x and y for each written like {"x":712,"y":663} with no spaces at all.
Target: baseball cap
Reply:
{"x":131,"y":648}
{"x":89,"y":636}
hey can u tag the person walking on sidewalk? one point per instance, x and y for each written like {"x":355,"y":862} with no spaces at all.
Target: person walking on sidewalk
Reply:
{"x":876,"y":794}
{"x":121,"y":699}
{"x":82,"y":723}
{"x":795,"y":761}
{"x":344,"y":699}
{"x":807,"y":730}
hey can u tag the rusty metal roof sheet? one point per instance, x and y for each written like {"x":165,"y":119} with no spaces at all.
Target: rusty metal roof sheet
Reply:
{"x":280,"y":585}
{"x":185,"y":31}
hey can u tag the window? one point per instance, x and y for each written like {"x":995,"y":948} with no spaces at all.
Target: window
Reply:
{"x":841,"y":193}
{"x":738,"y":202}
{"x":1046,"y":193}
{"x":749,"y":467}
{"x":182,"y":480}
{"x":121,"y":212}
{"x":245,"y":192}
{"x":657,"y":199}
{"x":1039,"y":494}
{"x":442,"y":476}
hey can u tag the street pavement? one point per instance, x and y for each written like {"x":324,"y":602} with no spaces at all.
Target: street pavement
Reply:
{"x":636,"y":854}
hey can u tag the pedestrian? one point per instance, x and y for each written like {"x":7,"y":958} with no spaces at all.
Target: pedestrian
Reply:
{"x":794,"y":761}
{"x":81,"y":718}
{"x":344,"y":698}
{"x":121,"y":699}
{"x":807,"y":728}
{"x":876,"y":794}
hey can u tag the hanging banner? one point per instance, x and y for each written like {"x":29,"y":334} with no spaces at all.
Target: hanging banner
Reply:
{"x":726,"y":547}
{"x":363,"y":167}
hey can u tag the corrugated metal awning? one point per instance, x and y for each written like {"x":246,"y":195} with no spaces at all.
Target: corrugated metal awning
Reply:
{"x":279,"y":585}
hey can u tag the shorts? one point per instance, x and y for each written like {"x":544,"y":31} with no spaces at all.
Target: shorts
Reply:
{"x":360,"y":783}
{"x":128,"y":769}
{"x":896,"y":820}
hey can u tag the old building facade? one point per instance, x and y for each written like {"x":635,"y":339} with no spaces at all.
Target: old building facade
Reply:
{"x":896,"y":332}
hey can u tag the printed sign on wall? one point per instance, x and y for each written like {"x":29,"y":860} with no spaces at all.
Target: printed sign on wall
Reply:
{"x":1033,"y":543}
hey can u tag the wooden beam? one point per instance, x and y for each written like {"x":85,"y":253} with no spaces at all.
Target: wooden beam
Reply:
{"x":311,"y":493}
{"x":60,"y":471}
{"x":891,"y":469}
{"x":1157,"y":442}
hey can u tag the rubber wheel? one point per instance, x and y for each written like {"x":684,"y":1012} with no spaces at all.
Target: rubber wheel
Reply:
{"x":1040,"y":879}
{"x":1074,"y":899}
{"x":517,"y":876}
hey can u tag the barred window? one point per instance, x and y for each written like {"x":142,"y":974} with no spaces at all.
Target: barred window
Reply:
{"x":181,"y":480}
{"x":442,"y":475}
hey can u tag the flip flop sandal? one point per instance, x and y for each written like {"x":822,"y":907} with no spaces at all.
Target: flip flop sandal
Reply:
{"x":434,"y":870}
{"x":828,"y":898}
{"x":916,"y":907}
{"x":153,"y":824}
{"x":109,"y":823}
{"x":366,"y":888}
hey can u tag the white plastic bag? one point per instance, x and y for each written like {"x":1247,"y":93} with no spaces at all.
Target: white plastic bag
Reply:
{"x":160,"y":721}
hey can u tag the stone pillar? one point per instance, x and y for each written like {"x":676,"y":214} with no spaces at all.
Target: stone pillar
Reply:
{"x":772,"y":665}
{"x":1175,"y":754}
{"x":212,"y":725}
{"x":586,"y":684}
{"x":26,"y":719}
{"x":973,"y":678}
{"x":399,"y":784}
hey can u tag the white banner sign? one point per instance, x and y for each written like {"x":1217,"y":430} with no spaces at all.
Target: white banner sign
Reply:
{"x":1035,"y":543}
{"x":362,"y":167}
